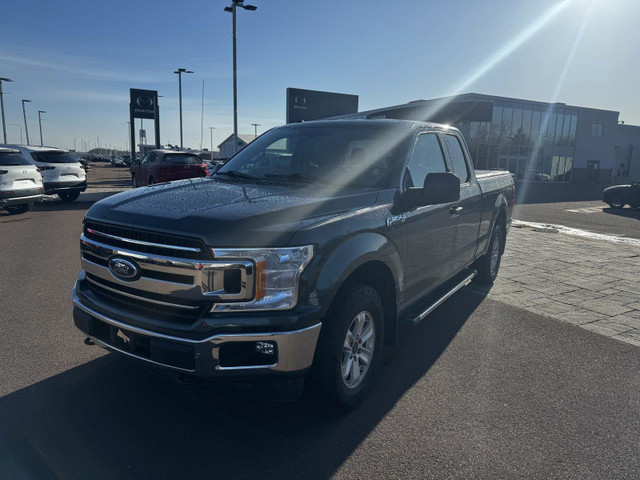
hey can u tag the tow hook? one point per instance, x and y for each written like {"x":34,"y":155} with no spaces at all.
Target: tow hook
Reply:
{"x":88,"y":341}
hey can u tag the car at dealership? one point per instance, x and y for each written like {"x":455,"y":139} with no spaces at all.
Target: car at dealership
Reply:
{"x":618,"y":196}
{"x":296,"y":261}
{"x":20,"y":182}
{"x":118,"y":162}
{"x":166,"y":165}
{"x":62,"y":174}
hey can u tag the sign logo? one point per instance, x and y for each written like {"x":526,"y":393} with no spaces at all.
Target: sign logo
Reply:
{"x":123,"y":269}
{"x":144,"y":102}
{"x":300,"y":100}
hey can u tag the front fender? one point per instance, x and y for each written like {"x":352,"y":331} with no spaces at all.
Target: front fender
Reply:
{"x":351,"y":254}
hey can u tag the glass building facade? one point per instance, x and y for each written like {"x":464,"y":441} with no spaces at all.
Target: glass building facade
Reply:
{"x":534,"y":142}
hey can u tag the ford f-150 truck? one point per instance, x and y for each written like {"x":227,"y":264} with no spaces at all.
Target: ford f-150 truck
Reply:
{"x":297,"y":261}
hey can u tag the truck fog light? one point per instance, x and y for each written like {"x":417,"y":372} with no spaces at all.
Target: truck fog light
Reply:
{"x":266,"y":348}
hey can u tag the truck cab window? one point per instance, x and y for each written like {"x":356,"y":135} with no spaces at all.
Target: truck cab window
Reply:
{"x":426,"y":158}
{"x":458,"y":163}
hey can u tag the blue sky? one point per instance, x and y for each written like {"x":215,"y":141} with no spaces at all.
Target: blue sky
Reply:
{"x":78,"y":59}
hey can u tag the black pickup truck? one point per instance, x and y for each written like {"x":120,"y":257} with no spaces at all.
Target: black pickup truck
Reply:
{"x":297,"y":261}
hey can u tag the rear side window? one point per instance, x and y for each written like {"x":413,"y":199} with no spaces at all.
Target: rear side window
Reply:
{"x":458,"y":163}
{"x":173,"y":159}
{"x":426,"y":158}
{"x":54,"y":157}
{"x":8,"y":159}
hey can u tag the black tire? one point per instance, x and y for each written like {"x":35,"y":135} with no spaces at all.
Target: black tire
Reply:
{"x":354,"y":300}
{"x":616,"y":202}
{"x":134,"y":182}
{"x":488,"y":270}
{"x":69,"y":196}
{"x":151,"y":181}
{"x":18,"y":209}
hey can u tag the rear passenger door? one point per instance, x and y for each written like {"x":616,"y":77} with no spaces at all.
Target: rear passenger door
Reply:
{"x":430,"y":229}
{"x":466,"y":213}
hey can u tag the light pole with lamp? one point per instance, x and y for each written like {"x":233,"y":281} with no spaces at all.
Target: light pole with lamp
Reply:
{"x":211,"y":129}
{"x":40,"y":112}
{"x":255,"y":131}
{"x":4,"y":125}
{"x":234,"y":5}
{"x":24,"y":113}
{"x":180,"y":71}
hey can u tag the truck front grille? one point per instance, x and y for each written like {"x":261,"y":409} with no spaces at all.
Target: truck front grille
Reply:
{"x":144,"y":241}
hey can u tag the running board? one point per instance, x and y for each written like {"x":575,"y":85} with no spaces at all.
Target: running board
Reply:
{"x":444,"y":297}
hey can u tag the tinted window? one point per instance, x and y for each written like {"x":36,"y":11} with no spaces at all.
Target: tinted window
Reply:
{"x":342,"y":155}
{"x":426,"y":158}
{"x":54,"y":157}
{"x":458,"y":163}
{"x":7,"y":159}
{"x":177,"y":159}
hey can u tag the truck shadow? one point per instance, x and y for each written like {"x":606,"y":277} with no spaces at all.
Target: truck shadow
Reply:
{"x":109,"y":419}
{"x":624,"y":212}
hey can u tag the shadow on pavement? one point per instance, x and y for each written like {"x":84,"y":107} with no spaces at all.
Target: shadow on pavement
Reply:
{"x":110,"y":419}
{"x":624,"y":212}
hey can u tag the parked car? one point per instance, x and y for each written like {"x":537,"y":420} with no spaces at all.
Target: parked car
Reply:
{"x":305,"y":253}
{"x":212,"y":166}
{"x":86,"y":165}
{"x":62,"y":174}
{"x":620,"y":195}
{"x":118,"y":162}
{"x":166,"y":165}
{"x":20,"y":182}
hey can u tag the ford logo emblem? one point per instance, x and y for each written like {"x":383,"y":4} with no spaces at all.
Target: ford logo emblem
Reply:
{"x":123,"y":269}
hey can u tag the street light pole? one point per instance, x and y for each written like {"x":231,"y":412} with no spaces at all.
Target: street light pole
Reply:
{"x":24,"y":113}
{"x":40,"y":122}
{"x":255,"y":131}
{"x":211,"y":129}
{"x":180,"y":71}
{"x":4,"y":125}
{"x":232,"y":9}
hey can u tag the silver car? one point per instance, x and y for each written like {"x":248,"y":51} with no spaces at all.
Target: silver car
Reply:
{"x":20,"y":182}
{"x":62,"y":174}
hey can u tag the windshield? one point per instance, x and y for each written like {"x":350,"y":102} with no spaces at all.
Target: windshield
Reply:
{"x":7,"y":159}
{"x":181,"y":159}
{"x":344,"y":157}
{"x":54,"y":157}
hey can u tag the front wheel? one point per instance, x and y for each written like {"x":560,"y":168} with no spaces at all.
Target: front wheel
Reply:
{"x":349,"y":347}
{"x":489,"y":264}
{"x":69,"y":196}
{"x":616,"y":202}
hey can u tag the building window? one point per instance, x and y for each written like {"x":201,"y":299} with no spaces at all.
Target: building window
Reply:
{"x":596,"y":129}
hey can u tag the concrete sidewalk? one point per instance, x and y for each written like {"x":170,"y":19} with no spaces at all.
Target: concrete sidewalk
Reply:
{"x":590,"y":283}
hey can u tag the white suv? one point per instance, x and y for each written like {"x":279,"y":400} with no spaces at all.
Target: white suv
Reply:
{"x":61,"y":172}
{"x":20,"y":182}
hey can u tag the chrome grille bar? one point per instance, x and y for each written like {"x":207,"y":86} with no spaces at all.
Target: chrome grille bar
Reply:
{"x":141,"y":242}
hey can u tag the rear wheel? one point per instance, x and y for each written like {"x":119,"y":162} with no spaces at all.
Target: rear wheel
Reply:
{"x":18,"y":209}
{"x":616,"y":202}
{"x":134,"y":182}
{"x":489,"y":264}
{"x":349,"y":347}
{"x":69,"y":196}
{"x":151,"y":181}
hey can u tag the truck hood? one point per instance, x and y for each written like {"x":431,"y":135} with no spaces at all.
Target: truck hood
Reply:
{"x":227,"y":213}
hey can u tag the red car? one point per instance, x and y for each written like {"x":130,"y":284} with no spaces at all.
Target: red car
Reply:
{"x":166,"y":165}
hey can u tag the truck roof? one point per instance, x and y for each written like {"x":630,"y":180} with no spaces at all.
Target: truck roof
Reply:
{"x":409,"y":124}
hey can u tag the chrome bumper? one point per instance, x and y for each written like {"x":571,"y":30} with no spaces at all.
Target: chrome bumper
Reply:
{"x":295,"y":348}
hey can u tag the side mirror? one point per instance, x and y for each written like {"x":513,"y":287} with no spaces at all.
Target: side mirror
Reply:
{"x":438,"y":188}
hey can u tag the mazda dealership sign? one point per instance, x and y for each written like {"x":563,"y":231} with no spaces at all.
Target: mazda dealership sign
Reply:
{"x":143,"y":103}
{"x":306,"y":105}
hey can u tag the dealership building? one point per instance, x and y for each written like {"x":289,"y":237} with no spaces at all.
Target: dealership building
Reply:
{"x":555,"y":145}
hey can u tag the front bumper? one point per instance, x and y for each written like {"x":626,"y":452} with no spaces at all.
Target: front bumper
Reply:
{"x":204,"y":358}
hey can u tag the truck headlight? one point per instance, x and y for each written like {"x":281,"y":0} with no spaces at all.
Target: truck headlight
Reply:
{"x":277,"y":271}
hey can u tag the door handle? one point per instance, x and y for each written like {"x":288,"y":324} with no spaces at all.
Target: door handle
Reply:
{"x":455,"y":210}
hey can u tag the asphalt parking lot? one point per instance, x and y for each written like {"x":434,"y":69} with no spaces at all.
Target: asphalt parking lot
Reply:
{"x":481,"y":389}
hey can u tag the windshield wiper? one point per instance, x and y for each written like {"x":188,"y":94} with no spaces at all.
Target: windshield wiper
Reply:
{"x":237,"y":174}
{"x":297,"y":177}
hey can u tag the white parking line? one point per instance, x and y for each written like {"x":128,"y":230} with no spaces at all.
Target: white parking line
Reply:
{"x":577,"y":232}
{"x":585,"y":210}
